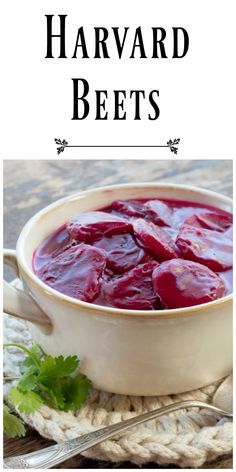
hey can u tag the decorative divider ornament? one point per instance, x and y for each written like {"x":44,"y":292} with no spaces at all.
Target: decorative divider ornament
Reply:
{"x":62,"y":144}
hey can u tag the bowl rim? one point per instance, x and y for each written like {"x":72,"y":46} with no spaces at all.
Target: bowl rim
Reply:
{"x":90,"y":307}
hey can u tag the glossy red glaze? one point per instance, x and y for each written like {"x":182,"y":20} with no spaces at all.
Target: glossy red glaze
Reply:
{"x":134,"y":290}
{"x":76,"y":272}
{"x":208,"y":247}
{"x":133,"y":249}
{"x":179,"y":283}
{"x":87,"y":227}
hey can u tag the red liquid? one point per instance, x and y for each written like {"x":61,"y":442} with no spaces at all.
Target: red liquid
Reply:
{"x":121,"y":255}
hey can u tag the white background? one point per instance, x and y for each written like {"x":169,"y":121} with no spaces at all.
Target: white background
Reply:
{"x":197,"y":93}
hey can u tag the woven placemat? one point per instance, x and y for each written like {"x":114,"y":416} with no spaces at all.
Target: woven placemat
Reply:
{"x":185,"y":438}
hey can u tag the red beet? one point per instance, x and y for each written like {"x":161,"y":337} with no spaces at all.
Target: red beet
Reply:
{"x":76,"y":272}
{"x":180,"y":283}
{"x":211,"y":248}
{"x":87,"y":227}
{"x":181,"y":213}
{"x":155,"y":240}
{"x":122,"y":252}
{"x":214,"y":221}
{"x":134,"y":290}
{"x":129,"y":207}
{"x":229,"y":232}
{"x":52,"y":247}
{"x":125,"y":236}
{"x":159,"y":212}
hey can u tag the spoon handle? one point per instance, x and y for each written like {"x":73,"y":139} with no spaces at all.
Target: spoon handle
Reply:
{"x":54,"y":455}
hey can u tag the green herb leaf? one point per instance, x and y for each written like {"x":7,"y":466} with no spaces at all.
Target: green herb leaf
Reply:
{"x":56,"y":397}
{"x":12,"y":425}
{"x":76,"y":391}
{"x":36,"y":351}
{"x":48,"y":380}
{"x":30,"y":361}
{"x":57,"y":366}
{"x":28,"y":381}
{"x":26,"y":402}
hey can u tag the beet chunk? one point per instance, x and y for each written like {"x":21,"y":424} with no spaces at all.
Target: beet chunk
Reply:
{"x":229,"y":233}
{"x":129,"y":207}
{"x":159,"y":212}
{"x":180,"y":214}
{"x":134,"y":290}
{"x":122,"y":252}
{"x":52,"y":247}
{"x":214,"y":221}
{"x":155,"y":240}
{"x":76,"y":272}
{"x":180,"y":283}
{"x":210,"y":248}
{"x":87,"y":227}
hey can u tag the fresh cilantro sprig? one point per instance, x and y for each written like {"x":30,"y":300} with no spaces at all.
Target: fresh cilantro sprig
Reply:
{"x":12,"y":425}
{"x":48,"y":380}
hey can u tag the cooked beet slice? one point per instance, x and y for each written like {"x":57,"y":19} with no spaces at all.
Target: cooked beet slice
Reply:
{"x":229,"y":232}
{"x":134,"y":290}
{"x":129,"y":207}
{"x":180,"y":283}
{"x":103,"y":256}
{"x":180,"y":214}
{"x":159,"y":212}
{"x":52,"y":247}
{"x":211,"y":248}
{"x":214,"y":221}
{"x":122,"y":252}
{"x":155,"y":240}
{"x":173,"y":232}
{"x":76,"y":272}
{"x":87,"y":227}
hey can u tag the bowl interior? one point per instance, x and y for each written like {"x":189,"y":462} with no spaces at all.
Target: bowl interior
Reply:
{"x":58,"y":213}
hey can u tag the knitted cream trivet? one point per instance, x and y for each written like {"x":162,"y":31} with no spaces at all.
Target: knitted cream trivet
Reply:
{"x":185,"y":438}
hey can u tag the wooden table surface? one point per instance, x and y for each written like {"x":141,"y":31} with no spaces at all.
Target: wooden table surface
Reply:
{"x":30,"y":185}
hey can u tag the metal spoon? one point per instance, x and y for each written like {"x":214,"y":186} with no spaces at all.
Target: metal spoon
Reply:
{"x":48,"y":457}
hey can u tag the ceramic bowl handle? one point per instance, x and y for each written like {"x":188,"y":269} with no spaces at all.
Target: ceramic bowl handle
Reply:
{"x":18,"y":303}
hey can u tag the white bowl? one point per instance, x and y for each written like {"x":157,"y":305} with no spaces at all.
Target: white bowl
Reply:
{"x":123,"y":351}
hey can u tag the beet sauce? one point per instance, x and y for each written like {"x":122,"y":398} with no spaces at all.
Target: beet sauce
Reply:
{"x":141,"y":254}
